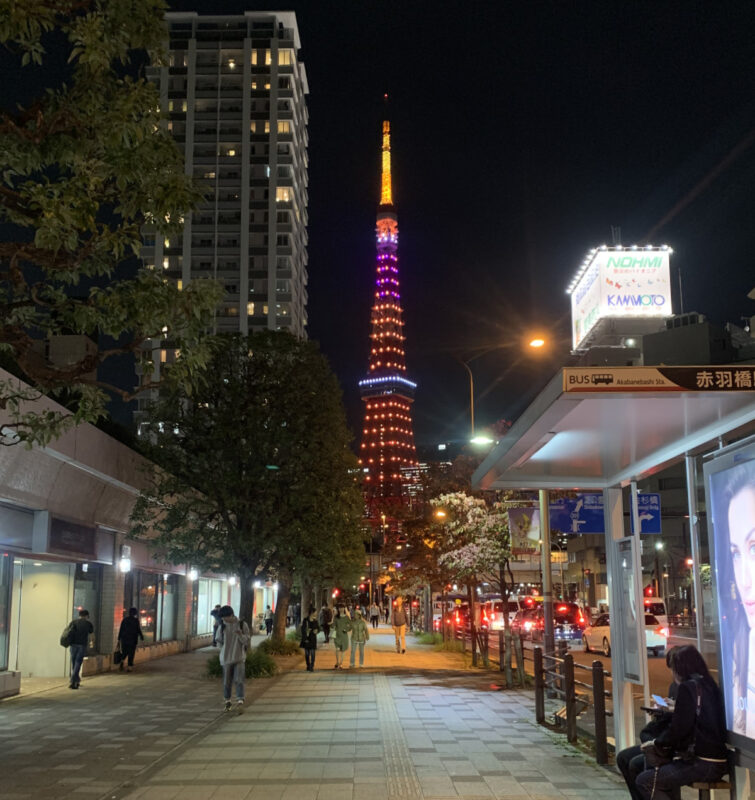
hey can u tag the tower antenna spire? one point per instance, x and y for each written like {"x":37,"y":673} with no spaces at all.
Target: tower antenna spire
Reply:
{"x":386,"y":184}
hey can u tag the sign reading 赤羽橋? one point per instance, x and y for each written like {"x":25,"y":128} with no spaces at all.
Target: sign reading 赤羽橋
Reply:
{"x":620,"y":282}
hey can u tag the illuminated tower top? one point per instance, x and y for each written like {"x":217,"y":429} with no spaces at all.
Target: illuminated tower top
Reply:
{"x":387,"y":438}
{"x":386,"y":188}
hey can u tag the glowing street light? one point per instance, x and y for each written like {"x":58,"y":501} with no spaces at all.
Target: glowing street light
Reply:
{"x":537,"y":342}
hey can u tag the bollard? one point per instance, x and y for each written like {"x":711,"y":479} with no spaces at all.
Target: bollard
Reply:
{"x":539,"y":686}
{"x":570,"y":698}
{"x":599,"y":704}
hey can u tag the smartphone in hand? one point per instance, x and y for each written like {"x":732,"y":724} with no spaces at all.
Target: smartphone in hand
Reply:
{"x":659,"y":701}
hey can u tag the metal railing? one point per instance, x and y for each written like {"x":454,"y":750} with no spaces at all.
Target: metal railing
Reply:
{"x":555,"y":675}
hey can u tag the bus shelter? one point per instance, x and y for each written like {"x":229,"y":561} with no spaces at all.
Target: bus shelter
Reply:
{"x":604,"y":429}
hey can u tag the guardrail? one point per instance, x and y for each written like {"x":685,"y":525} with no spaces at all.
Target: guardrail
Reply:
{"x":556,"y":675}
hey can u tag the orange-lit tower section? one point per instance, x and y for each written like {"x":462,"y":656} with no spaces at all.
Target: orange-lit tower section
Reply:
{"x":387,"y":437}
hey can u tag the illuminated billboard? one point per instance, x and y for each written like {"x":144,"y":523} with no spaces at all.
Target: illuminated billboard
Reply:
{"x":730,"y":496}
{"x":620,"y":282}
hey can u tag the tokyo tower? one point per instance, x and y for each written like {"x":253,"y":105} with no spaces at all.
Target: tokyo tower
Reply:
{"x":387,"y":437}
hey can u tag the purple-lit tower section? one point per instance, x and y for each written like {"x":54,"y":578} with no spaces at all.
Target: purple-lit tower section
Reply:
{"x":387,"y":436}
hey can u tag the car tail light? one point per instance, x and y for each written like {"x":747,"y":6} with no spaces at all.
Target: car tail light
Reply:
{"x":581,"y":620}
{"x":661,"y":631}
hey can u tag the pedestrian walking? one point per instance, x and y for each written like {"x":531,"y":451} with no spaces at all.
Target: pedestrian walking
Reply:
{"x":128,"y":636}
{"x":233,"y":638}
{"x":341,"y":628}
{"x":359,"y":635}
{"x":215,"y":614}
{"x":309,"y":630}
{"x":374,"y":615}
{"x":78,"y":640}
{"x":387,"y":613}
{"x":268,"y":621}
{"x":325,"y":618}
{"x":398,"y":620}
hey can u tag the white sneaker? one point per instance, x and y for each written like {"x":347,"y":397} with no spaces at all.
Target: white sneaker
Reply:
{"x":239,"y":706}
{"x":227,"y":706}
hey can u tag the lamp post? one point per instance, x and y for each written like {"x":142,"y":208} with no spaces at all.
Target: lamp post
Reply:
{"x":560,"y":566}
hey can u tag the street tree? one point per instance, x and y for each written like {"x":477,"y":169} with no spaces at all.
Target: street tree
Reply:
{"x":254,"y":475}
{"x":86,"y":165}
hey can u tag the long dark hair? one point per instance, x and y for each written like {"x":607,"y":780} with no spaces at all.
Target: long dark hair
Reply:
{"x":687,"y":663}
{"x":732,"y":613}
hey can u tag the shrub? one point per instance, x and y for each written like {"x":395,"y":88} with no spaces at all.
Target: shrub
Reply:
{"x":293,"y":635}
{"x":429,"y":638}
{"x":259,"y":664}
{"x":280,"y":647}
{"x":450,"y":646}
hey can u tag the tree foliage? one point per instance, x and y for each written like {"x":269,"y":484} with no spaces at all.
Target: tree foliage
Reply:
{"x":255,"y":472}
{"x":84,"y":167}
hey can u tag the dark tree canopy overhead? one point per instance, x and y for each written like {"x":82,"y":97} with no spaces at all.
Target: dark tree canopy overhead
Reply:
{"x":84,"y":167}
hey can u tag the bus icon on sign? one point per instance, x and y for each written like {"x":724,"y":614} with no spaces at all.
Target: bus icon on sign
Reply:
{"x":603,"y":377}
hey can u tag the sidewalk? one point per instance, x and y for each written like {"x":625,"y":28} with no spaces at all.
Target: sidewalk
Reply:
{"x":410,"y":726}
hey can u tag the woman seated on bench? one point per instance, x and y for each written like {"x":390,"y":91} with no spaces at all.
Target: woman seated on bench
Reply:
{"x":693,"y":743}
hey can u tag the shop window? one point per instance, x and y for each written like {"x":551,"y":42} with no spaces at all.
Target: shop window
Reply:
{"x":86,"y":594}
{"x":5,"y":584}
{"x":155,"y":596}
{"x":166,"y":608}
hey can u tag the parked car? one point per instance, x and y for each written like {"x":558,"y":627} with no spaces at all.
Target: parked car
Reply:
{"x":656,"y":607}
{"x":568,"y":622}
{"x":525,"y":623}
{"x":491,"y":617}
{"x":598,"y":635}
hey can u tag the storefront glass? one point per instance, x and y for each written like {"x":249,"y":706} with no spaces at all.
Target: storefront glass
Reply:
{"x":86,"y":594}
{"x":5,"y":583}
{"x":156,"y":598}
{"x":204,"y":620}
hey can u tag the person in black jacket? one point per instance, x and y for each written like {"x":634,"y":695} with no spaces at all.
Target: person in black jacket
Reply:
{"x":696,"y":734}
{"x":128,"y":636}
{"x":81,"y":630}
{"x":309,"y":631}
{"x":631,"y":760}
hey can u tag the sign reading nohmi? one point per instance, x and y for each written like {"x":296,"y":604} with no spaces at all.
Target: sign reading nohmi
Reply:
{"x":619,"y":282}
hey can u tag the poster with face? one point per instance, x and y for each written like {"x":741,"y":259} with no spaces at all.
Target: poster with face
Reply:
{"x":730,"y":485}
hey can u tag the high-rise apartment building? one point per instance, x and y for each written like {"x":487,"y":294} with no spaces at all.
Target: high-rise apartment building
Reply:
{"x":235,"y":95}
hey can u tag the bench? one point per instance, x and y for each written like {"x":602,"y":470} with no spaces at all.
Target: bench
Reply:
{"x":705,"y":789}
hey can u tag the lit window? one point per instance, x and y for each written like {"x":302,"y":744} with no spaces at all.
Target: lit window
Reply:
{"x":284,"y":194}
{"x":163,"y":356}
{"x":253,"y":127}
{"x":166,"y":263}
{"x":268,"y":58}
{"x":267,"y":85}
{"x":170,"y":105}
{"x":209,"y":175}
{"x":265,"y":309}
{"x":167,"y":243}
{"x":285,"y":58}
{"x":183,"y":105}
{"x":254,"y":86}
{"x":231,"y":151}
{"x":179,"y":284}
{"x":250,"y":309}
{"x":231,"y":63}
{"x":254,"y":58}
{"x":284,"y":126}
{"x":267,"y":126}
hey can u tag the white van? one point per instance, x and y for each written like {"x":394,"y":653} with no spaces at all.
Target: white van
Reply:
{"x":656,"y":607}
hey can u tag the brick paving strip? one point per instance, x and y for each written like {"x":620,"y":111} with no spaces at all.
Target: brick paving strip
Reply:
{"x":415,"y":726}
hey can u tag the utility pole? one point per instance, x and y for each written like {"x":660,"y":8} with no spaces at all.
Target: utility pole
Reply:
{"x":545,"y":561}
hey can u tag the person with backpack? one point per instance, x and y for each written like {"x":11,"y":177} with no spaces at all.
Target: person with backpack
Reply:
{"x":128,"y":636}
{"x":77,"y":637}
{"x":692,"y":748}
{"x":233,"y":638}
{"x":309,"y":631}
{"x":325,"y":618}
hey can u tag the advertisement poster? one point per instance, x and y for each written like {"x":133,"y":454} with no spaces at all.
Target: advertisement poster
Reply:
{"x":620,"y":283}
{"x":629,"y":605}
{"x":730,"y":488}
{"x":524,"y":525}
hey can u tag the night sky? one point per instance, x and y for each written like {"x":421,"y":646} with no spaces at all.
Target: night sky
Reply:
{"x":522,"y":131}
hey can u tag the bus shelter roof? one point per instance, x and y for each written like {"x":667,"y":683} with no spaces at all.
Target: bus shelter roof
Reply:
{"x":591,"y":428}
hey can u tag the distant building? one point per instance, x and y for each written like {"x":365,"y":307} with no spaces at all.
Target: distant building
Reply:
{"x":235,"y":95}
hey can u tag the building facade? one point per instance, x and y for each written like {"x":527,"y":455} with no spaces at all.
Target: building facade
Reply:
{"x":64,"y":546}
{"x":234,"y":92}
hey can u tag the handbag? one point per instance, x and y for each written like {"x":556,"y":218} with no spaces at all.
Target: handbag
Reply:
{"x":118,"y":654}
{"x":655,"y":756}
